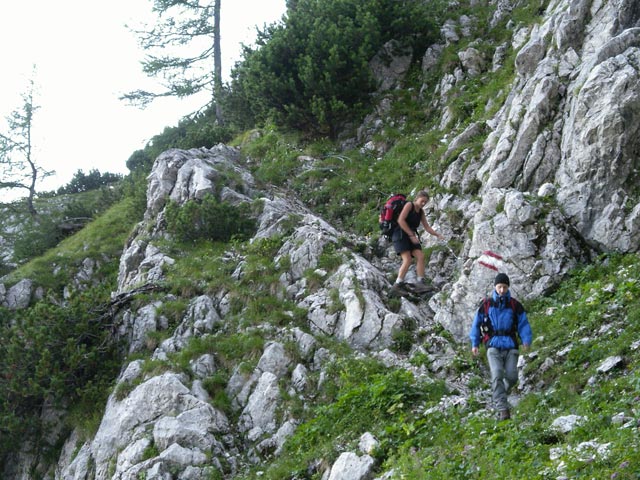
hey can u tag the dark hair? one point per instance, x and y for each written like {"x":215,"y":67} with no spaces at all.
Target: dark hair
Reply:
{"x":502,"y":278}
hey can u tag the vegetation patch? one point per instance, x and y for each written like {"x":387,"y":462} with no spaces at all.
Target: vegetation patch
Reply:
{"x":209,"y":219}
{"x":359,"y":396}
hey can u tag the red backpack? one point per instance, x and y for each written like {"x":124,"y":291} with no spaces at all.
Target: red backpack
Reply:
{"x":389,"y":214}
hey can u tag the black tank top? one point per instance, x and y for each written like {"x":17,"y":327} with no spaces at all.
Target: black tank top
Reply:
{"x":413,"y":218}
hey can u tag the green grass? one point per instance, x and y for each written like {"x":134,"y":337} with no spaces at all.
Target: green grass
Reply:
{"x":593,"y":315}
{"x":359,"y":395}
{"x":103,"y":238}
{"x":65,"y":355}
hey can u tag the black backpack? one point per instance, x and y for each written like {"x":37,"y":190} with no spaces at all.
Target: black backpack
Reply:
{"x":486,"y":328}
{"x":389,"y":214}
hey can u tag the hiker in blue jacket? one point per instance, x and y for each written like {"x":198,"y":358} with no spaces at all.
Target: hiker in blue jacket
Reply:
{"x":507,"y":321}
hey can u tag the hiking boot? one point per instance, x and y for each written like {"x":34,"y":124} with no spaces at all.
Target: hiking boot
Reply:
{"x":505,"y":414}
{"x":399,"y":287}
{"x":421,"y":287}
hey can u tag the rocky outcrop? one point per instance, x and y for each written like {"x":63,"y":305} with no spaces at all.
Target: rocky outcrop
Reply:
{"x":161,"y":411}
{"x":554,"y":182}
{"x":17,"y":296}
{"x":170,"y":414}
{"x":564,"y":143}
{"x":513,"y":234}
{"x":572,"y":121}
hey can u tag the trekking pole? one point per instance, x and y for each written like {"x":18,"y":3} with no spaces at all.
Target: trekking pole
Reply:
{"x":451,"y":251}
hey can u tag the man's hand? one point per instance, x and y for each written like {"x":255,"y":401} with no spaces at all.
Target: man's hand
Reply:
{"x":474,"y":351}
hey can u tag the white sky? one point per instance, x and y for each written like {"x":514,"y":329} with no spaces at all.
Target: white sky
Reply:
{"x":85,"y":59}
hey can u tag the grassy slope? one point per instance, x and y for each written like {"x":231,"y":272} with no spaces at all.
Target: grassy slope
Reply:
{"x":56,"y":342}
{"x":595,"y":313}
{"x":592,"y":316}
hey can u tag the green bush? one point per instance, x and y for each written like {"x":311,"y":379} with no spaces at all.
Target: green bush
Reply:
{"x":312,"y":73}
{"x":82,"y":182}
{"x":53,"y":355}
{"x":208,"y":219}
{"x":134,"y":187}
{"x":140,"y":160}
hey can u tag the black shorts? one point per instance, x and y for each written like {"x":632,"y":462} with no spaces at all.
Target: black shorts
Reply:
{"x":402,"y":242}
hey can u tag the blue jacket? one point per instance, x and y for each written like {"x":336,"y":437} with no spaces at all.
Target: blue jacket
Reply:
{"x":501,"y":316}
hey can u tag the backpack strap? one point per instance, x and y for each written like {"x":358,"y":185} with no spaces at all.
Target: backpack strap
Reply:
{"x":517,"y":308}
{"x":486,"y":328}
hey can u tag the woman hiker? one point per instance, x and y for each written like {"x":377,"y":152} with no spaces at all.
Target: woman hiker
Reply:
{"x":406,"y":241}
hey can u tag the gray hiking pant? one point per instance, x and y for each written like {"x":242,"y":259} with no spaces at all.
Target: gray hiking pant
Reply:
{"x":504,"y":374}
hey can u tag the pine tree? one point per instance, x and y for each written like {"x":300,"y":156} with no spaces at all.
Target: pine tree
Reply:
{"x":184,"y":26}
{"x":18,"y":167}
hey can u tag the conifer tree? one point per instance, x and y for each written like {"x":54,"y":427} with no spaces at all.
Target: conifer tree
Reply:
{"x":190,"y":29}
{"x":18,"y":167}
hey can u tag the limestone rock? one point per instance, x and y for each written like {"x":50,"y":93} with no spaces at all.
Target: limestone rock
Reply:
{"x":19,"y":295}
{"x":350,"y":466}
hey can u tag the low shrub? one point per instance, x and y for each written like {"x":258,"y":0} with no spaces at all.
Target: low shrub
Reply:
{"x":208,"y":219}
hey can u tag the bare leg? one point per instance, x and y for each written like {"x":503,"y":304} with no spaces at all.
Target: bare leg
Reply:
{"x":419,"y":255}
{"x":406,"y":263}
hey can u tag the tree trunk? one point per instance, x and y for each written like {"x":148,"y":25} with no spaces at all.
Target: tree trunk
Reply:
{"x":217,"y":64}
{"x":32,"y":165}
